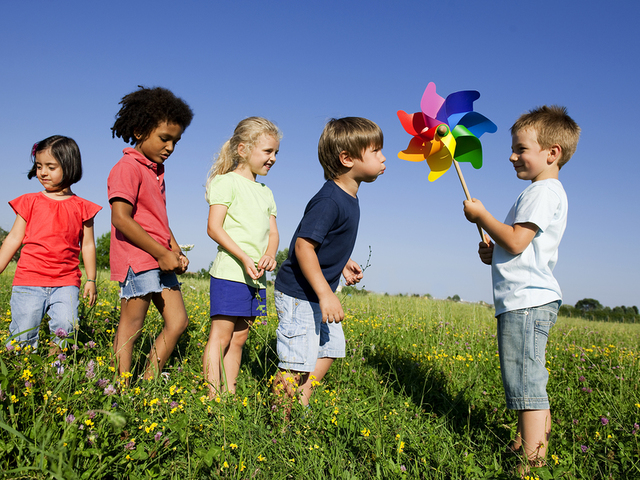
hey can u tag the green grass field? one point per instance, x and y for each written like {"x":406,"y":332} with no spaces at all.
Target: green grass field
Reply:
{"x":418,"y":396}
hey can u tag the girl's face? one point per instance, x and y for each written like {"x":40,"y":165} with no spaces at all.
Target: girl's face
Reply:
{"x":160,"y":143}
{"x":48,"y":171}
{"x":262,"y":157}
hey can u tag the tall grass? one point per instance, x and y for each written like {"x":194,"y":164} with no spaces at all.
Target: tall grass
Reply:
{"x":418,"y":396}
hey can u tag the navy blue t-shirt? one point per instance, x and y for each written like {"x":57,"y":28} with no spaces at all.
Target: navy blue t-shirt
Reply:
{"x":331,"y":219}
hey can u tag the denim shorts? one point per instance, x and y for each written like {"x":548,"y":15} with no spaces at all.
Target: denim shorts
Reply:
{"x":30,"y":304}
{"x":522,"y":342}
{"x":150,"y":281}
{"x":236,"y":299}
{"x":302,"y":338}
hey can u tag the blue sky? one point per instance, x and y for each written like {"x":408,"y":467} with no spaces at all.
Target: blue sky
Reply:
{"x":66,"y":65}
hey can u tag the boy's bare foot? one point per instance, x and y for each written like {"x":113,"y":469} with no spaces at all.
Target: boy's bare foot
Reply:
{"x":523,"y":469}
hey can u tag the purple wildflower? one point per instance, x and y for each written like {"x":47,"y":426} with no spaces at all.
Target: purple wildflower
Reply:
{"x":61,"y":333}
{"x":102,"y":383}
{"x":584,"y":448}
{"x":403,"y":468}
{"x":62,"y":357}
{"x":582,"y":379}
{"x":636,"y":427}
{"x":59,"y":367}
{"x":173,"y":404}
{"x":157,"y":436}
{"x":28,"y":384}
{"x":89,"y":370}
{"x":10,"y":348}
{"x":90,"y":344}
{"x":91,"y":414}
{"x":110,"y":390}
{"x":604,"y":420}
{"x":130,"y":446}
{"x":70,"y":418}
{"x":74,"y":347}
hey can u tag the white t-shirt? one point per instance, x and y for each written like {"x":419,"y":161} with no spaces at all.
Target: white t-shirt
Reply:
{"x":526,"y":280}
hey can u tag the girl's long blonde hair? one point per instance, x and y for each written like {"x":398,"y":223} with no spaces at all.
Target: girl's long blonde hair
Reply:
{"x":247,"y":132}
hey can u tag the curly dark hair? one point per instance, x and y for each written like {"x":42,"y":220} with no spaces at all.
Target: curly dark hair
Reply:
{"x":143,"y":110}
{"x":65,"y":150}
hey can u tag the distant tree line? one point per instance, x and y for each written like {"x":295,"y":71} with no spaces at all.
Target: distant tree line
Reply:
{"x":592,"y":309}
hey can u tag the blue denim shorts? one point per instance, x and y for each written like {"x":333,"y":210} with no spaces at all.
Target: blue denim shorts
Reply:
{"x":150,"y":281}
{"x":302,"y":338}
{"x":522,"y":343}
{"x":29,"y":305}
{"x":236,"y":299}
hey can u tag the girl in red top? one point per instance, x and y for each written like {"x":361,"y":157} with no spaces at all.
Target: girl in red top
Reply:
{"x":54,"y":226}
{"x":145,"y":256}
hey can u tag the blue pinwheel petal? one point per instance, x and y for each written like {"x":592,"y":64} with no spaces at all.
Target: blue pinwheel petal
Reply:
{"x":477,"y":124}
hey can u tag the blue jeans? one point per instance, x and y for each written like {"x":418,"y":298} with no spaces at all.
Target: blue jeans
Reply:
{"x":302,"y":338}
{"x":30,"y":304}
{"x":522,"y":343}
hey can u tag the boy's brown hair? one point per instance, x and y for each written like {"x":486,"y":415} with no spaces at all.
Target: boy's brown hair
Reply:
{"x":349,"y":134}
{"x":553,"y":126}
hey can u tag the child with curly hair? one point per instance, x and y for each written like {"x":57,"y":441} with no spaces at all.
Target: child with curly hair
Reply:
{"x":145,"y":256}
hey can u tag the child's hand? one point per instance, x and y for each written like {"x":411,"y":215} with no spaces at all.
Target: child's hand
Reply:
{"x":268,"y":263}
{"x":251,"y":269}
{"x":184,"y":264}
{"x":169,"y":261}
{"x":352,"y":273}
{"x":473,"y":210}
{"x":331,"y":309}
{"x":486,"y":250}
{"x":90,"y":291}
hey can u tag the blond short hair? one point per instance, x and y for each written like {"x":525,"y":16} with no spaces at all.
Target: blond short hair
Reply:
{"x":553,"y":126}
{"x":349,"y":134}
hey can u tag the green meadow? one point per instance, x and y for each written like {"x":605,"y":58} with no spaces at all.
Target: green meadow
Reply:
{"x":418,"y":395}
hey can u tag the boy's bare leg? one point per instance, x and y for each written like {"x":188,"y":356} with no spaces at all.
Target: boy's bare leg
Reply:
{"x":132,"y":314}
{"x":170,"y":304}
{"x":321,"y":369}
{"x":233,"y":355}
{"x":535,"y":429}
{"x":516,"y":443}
{"x":220,"y":334}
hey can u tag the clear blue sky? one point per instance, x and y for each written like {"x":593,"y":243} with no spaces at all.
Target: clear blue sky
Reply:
{"x":66,"y":64}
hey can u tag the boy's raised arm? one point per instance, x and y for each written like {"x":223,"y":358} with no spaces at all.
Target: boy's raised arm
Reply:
{"x":513,"y":238}
{"x":308,"y":260}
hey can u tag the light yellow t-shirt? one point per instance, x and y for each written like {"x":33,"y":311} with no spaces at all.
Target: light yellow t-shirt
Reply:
{"x":250,"y":206}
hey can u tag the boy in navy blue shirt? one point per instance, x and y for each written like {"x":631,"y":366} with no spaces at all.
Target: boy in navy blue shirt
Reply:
{"x":309,"y":333}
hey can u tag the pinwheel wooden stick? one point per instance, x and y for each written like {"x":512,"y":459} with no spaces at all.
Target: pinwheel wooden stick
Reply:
{"x":445,"y":132}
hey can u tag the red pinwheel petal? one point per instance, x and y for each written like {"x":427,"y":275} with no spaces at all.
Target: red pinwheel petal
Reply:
{"x":413,"y":123}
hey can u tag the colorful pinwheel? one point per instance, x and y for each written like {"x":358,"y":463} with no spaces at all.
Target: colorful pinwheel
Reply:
{"x":446,"y":132}
{"x":458,"y":140}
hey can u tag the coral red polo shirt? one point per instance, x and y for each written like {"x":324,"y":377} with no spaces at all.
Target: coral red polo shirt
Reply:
{"x":140,"y":182}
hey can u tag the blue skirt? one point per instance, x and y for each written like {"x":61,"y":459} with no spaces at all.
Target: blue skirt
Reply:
{"x":236,"y":299}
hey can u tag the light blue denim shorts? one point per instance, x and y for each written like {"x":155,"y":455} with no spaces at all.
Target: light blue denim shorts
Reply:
{"x":302,"y":338}
{"x":522,"y":343}
{"x":30,"y":304}
{"x":150,"y":281}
